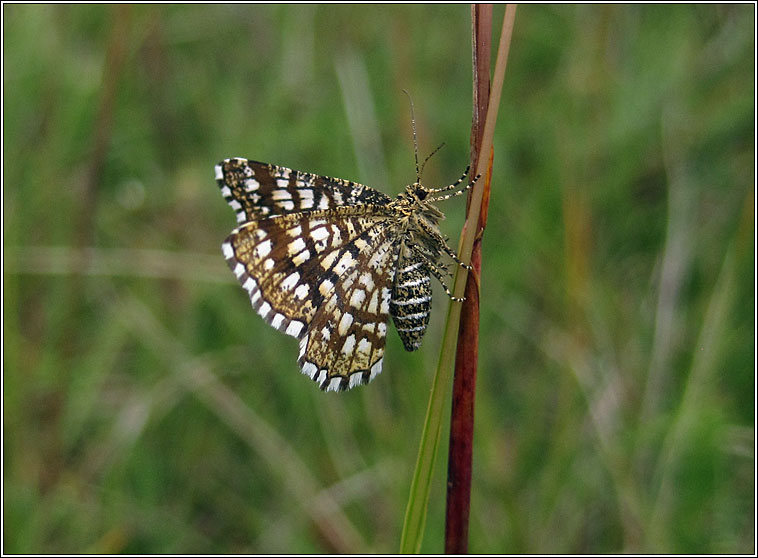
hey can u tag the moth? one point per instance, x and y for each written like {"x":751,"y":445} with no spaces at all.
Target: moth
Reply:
{"x":328,"y":260}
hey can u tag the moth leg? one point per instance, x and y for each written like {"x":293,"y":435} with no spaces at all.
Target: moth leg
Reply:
{"x":458,"y":193}
{"x":442,"y":246}
{"x":434,"y":270}
{"x":452,"y":186}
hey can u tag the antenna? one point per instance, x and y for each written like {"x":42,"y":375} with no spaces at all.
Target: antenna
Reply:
{"x":440,"y":146}
{"x":415,"y":143}
{"x":415,"y":139}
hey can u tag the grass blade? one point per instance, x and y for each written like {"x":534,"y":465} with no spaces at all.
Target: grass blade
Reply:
{"x":415,"y":515}
{"x":461,"y":444}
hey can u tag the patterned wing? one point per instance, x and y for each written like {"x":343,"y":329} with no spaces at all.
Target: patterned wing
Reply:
{"x":344,"y":346}
{"x":326,"y":282}
{"x":257,"y":190}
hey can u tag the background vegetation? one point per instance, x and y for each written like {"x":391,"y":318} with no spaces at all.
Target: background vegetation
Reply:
{"x":146,"y":408}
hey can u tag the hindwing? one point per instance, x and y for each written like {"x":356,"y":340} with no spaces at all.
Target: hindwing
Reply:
{"x":326,"y":282}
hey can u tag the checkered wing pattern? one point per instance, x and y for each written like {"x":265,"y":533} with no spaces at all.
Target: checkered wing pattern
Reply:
{"x":256,"y":190}
{"x":328,"y":261}
{"x":325,"y":277}
{"x":345,"y":343}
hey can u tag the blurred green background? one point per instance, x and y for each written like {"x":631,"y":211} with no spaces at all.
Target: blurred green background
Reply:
{"x":146,"y":408}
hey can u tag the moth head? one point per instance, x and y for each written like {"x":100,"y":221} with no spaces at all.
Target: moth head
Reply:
{"x":417,"y":193}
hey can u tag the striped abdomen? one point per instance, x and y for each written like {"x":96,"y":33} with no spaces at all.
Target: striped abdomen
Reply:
{"x":411,"y":299}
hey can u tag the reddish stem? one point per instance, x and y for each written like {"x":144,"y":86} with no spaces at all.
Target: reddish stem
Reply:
{"x":466,"y":359}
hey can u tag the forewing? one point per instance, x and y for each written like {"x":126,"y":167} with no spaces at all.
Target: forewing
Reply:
{"x":304,"y":274}
{"x":258,"y":190}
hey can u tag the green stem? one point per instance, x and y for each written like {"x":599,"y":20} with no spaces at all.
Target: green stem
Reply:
{"x":415,"y":515}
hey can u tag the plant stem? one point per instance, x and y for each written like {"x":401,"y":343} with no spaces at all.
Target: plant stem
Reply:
{"x":415,"y":514}
{"x":466,"y":358}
